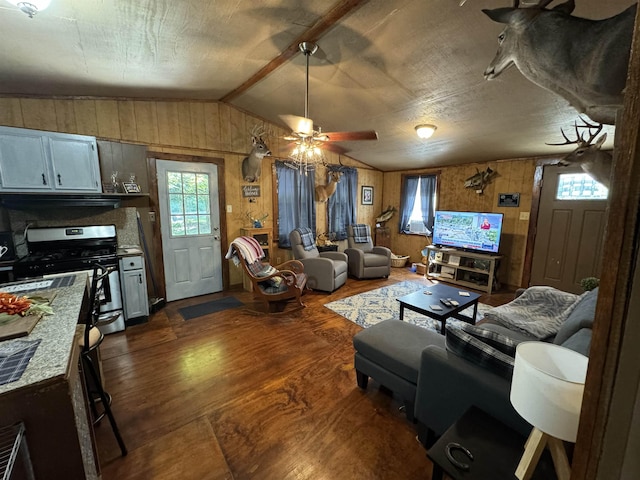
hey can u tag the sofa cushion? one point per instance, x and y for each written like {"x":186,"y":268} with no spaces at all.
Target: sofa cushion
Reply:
{"x":470,"y":348}
{"x":539,"y":311}
{"x":579,"y":342}
{"x":581,"y":316}
{"x":505,"y":343}
{"x":396,"y":346}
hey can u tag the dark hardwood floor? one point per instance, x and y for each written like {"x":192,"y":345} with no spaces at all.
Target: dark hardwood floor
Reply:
{"x":234,"y":395}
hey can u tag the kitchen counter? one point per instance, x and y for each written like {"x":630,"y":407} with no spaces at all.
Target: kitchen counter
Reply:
{"x":129,"y":251}
{"x":50,"y":397}
{"x":57,"y":333}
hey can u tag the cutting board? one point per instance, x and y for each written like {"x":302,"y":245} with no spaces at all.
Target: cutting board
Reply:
{"x":22,"y":326}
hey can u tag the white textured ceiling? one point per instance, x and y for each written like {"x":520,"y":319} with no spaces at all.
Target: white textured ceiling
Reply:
{"x":387,"y":66}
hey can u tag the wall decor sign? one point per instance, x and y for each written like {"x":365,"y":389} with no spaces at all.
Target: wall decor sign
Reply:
{"x":130,"y":187}
{"x":367,"y":195}
{"x":250,"y":191}
{"x":508,"y":199}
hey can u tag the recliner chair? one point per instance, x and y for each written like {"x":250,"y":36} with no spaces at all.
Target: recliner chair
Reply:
{"x":365,"y":260}
{"x":325,"y":271}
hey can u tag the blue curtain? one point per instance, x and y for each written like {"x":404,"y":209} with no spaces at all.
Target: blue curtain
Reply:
{"x":296,"y":205}
{"x":427,"y":197}
{"x":342,"y":205}
{"x":410,"y":189}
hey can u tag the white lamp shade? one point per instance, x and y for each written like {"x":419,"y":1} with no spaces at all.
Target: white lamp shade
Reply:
{"x":547,"y":387}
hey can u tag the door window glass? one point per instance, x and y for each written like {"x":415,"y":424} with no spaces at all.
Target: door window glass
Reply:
{"x":189,"y":203}
{"x":580,"y":186}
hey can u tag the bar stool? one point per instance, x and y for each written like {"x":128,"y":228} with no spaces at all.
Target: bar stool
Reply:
{"x":89,"y":342}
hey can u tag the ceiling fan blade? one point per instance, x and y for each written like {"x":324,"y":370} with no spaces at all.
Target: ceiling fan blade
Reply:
{"x":349,"y":136}
{"x":301,"y":125}
{"x":332,"y":147}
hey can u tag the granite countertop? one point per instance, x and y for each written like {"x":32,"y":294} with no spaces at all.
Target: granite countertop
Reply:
{"x":57,"y":332}
{"x":129,"y":251}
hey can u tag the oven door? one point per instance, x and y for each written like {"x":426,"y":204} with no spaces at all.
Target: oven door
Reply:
{"x":111,"y":304}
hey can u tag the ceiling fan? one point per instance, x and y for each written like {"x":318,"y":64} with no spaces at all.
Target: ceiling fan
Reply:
{"x":303,"y":133}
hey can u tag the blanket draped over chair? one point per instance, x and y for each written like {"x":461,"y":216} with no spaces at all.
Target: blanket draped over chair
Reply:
{"x":269,"y":284}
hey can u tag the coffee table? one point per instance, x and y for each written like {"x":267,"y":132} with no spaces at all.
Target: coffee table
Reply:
{"x":422,"y":302}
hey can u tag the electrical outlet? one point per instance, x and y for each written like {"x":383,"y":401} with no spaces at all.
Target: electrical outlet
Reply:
{"x":278,"y":260}
{"x":152,"y":216}
{"x":524,"y":215}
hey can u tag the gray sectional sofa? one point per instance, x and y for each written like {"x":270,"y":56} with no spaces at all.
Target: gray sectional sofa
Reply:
{"x":448,"y":384}
{"x":439,"y":377}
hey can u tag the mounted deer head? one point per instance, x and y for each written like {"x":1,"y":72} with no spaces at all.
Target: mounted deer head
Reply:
{"x":252,"y":165}
{"x":584,"y":61}
{"x":323,"y":192}
{"x":589,"y":156}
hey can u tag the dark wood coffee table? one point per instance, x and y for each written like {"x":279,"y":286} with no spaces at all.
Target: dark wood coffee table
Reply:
{"x":422,"y":302}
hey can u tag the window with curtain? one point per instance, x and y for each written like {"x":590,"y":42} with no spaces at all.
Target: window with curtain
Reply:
{"x":296,"y":205}
{"x":418,"y":204}
{"x":341,"y":207}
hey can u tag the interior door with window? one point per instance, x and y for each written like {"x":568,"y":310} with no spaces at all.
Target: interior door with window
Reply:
{"x":190,"y":226}
{"x":570,"y":229}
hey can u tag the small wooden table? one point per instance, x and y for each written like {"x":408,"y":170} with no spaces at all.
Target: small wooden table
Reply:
{"x":421,"y":302}
{"x":496,"y":450}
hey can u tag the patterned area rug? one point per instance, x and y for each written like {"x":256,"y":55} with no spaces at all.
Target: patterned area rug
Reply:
{"x":372,"y":307}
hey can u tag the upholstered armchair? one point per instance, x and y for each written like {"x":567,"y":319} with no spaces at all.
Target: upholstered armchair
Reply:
{"x":325,"y":271}
{"x":365,"y":260}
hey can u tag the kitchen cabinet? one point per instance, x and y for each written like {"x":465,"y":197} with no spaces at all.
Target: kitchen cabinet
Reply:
{"x":37,"y":161}
{"x":133,"y":283}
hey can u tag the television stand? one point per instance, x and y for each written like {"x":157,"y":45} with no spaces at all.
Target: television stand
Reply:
{"x":473,"y":270}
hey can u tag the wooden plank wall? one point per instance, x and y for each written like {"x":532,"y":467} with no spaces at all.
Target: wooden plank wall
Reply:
{"x":201,"y":128}
{"x":514,"y":176}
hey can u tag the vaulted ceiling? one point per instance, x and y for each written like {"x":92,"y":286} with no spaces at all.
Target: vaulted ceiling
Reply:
{"x":382,"y":65}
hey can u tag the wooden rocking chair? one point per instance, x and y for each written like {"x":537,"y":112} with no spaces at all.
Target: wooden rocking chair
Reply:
{"x":271,"y":285}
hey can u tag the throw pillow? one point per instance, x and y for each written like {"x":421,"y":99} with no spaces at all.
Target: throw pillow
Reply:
{"x":539,"y":311}
{"x":497,"y":340}
{"x":470,"y":348}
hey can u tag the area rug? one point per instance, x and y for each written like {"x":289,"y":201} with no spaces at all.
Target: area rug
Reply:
{"x":374,"y":306}
{"x":213,"y":306}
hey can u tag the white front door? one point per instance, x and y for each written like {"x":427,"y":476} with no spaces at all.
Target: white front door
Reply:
{"x":190,"y":227}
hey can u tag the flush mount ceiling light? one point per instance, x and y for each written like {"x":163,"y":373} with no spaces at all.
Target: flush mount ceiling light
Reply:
{"x":31,"y":7}
{"x":425,"y":130}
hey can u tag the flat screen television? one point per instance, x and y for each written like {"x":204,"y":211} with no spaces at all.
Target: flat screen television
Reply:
{"x":473,"y":231}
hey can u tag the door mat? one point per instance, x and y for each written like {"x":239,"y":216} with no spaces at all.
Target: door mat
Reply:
{"x":195,"y":311}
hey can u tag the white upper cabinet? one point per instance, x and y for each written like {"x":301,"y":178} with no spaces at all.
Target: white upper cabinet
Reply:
{"x":36,"y":161}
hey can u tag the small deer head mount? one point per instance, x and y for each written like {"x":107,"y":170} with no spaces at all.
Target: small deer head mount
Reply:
{"x":588,"y":155}
{"x":252,"y":165}
{"x":323,"y":192}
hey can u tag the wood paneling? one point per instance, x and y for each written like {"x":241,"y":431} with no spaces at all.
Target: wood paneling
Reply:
{"x":514,"y":176}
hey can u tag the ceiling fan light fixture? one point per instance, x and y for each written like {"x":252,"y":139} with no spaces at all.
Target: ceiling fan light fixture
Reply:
{"x":31,"y":7}
{"x":425,"y":130}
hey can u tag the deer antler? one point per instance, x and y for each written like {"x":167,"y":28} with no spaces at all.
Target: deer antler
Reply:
{"x":579,"y":137}
{"x":257,"y":131}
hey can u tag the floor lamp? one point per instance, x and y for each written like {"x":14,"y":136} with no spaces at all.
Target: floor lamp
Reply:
{"x":546,"y":390}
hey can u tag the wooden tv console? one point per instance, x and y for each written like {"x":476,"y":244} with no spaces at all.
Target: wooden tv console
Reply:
{"x":467,"y":269}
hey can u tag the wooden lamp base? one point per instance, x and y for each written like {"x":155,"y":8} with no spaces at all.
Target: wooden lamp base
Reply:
{"x":534,"y":447}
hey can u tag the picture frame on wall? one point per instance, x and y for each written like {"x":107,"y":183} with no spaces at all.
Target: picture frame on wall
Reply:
{"x":367,"y":195}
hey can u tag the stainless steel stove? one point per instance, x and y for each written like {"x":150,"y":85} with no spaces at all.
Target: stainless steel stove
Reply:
{"x":56,"y":250}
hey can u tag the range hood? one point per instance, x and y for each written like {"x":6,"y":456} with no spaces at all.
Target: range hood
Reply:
{"x":28,"y":201}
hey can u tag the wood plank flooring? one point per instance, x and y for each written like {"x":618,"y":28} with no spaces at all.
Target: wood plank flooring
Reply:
{"x":234,"y":395}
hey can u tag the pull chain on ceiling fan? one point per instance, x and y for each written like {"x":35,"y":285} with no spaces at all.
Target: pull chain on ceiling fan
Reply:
{"x":308,"y":141}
